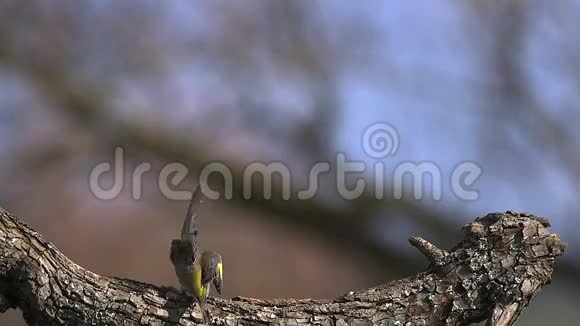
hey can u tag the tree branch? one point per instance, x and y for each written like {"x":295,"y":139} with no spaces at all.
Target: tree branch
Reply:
{"x":493,"y":273}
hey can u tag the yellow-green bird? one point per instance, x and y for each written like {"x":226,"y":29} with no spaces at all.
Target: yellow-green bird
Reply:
{"x":195,"y":272}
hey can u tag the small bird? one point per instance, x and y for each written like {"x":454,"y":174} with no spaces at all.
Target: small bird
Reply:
{"x":195,"y":272}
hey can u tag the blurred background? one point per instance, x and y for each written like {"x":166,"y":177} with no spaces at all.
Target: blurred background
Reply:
{"x":491,"y":82}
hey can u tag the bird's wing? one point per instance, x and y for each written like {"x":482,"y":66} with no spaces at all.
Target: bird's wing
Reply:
{"x":189,"y":229}
{"x":212,"y":270}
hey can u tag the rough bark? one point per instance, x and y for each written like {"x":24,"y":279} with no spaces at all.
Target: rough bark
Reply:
{"x":492,"y":274}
